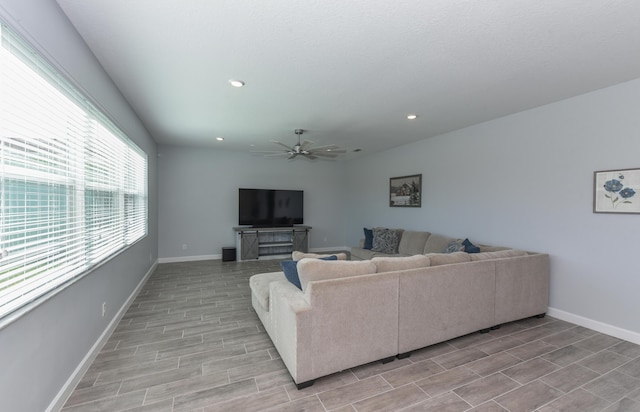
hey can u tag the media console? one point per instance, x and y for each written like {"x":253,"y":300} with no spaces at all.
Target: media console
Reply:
{"x":265,"y":242}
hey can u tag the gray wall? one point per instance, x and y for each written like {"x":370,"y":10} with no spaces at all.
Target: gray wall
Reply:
{"x":526,"y":181}
{"x":198,"y":200}
{"x":40,"y":350}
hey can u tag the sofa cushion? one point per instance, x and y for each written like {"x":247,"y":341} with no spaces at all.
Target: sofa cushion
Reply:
{"x":385,"y":240}
{"x":388,"y":264}
{"x":454,"y":246}
{"x":295,"y":255}
{"x":290,"y":269}
{"x":470,"y":247}
{"x":368,"y":239}
{"x":487,"y":248}
{"x":310,"y":270}
{"x":358,"y":253}
{"x":260,"y":286}
{"x":437,"y":243}
{"x":412,"y":243}
{"x":437,"y":259}
{"x":498,"y":254}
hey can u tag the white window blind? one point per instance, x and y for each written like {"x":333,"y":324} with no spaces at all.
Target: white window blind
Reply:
{"x":73,"y":187}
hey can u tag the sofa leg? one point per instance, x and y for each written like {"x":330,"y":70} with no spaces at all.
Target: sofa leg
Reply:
{"x":305,"y":384}
{"x":387,"y":360}
{"x":495,"y":327}
{"x":403,"y":355}
{"x":540,"y":316}
{"x":485,"y":330}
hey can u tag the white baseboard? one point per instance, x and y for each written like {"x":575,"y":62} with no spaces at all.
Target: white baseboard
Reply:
{"x":189,"y":258}
{"x":64,"y":393}
{"x":596,"y":325}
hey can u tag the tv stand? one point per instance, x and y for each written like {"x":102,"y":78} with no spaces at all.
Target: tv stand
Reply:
{"x":270,"y":242}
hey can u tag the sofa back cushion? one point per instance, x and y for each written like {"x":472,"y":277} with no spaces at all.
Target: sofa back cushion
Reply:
{"x":437,"y":243}
{"x":295,"y":255}
{"x":437,"y":259}
{"x":310,"y":270}
{"x":388,"y":264}
{"x":412,"y":243}
{"x":498,"y":254}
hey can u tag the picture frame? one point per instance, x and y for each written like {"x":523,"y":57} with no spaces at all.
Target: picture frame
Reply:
{"x":405,"y":191}
{"x":616,"y":191}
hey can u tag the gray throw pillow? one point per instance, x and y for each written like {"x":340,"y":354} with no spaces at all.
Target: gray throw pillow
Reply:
{"x":385,"y":240}
{"x":454,"y":246}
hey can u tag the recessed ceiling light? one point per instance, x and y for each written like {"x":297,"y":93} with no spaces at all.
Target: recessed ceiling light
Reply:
{"x":219,"y":139}
{"x":412,"y":116}
{"x":236,"y":83}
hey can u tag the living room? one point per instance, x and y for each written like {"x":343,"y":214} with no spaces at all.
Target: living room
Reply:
{"x":525,"y":180}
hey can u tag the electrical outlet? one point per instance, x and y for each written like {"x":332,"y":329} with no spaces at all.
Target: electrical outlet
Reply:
{"x":184,"y":246}
{"x":104,"y":308}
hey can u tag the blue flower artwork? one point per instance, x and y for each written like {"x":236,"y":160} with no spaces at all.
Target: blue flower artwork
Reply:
{"x":617,"y":191}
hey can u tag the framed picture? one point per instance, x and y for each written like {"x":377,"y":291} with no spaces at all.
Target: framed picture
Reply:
{"x":616,"y":191}
{"x":405,"y":191}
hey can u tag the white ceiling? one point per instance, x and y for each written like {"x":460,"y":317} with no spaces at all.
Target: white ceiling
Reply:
{"x":350,"y":71}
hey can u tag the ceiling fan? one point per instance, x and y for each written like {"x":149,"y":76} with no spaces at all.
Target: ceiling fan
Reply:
{"x":304,"y":149}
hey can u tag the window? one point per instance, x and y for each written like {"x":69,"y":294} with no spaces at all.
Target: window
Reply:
{"x":73,"y":186}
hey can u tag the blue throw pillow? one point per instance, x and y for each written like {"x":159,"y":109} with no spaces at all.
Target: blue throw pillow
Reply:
{"x":368,"y":238}
{"x":470,"y":247}
{"x":290,"y":269}
{"x":291,"y":272}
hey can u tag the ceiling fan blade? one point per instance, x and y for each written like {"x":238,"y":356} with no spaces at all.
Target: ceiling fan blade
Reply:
{"x":325,"y":154}
{"x":326,"y":147}
{"x":268,"y":151}
{"x":310,"y":156}
{"x":337,"y":151}
{"x":277,"y":154}
{"x":305,"y":144}
{"x":292,"y":155}
{"x":289,"y":148}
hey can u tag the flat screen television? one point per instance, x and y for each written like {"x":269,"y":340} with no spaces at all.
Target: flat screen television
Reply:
{"x":270,"y":207}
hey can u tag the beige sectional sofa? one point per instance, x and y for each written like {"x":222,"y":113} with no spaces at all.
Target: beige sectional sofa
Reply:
{"x":349,"y":313}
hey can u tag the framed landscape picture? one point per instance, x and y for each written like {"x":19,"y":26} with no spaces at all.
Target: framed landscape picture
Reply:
{"x":405,"y":191}
{"x":616,"y":191}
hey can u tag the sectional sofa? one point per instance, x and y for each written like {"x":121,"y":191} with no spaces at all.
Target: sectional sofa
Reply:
{"x":348,"y":313}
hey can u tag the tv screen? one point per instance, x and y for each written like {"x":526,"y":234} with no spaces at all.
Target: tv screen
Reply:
{"x":270,"y":207}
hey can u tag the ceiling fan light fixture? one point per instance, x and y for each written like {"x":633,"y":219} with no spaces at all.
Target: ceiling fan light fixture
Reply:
{"x":236,"y":83}
{"x":305,"y":149}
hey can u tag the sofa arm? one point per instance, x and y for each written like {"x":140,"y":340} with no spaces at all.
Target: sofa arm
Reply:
{"x":355,"y":321}
{"x":285,"y":291}
{"x":335,"y":325}
{"x":290,"y":323}
{"x":522,"y":287}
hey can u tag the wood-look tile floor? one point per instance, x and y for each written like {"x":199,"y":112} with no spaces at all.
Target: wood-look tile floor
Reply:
{"x":191,"y":342}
